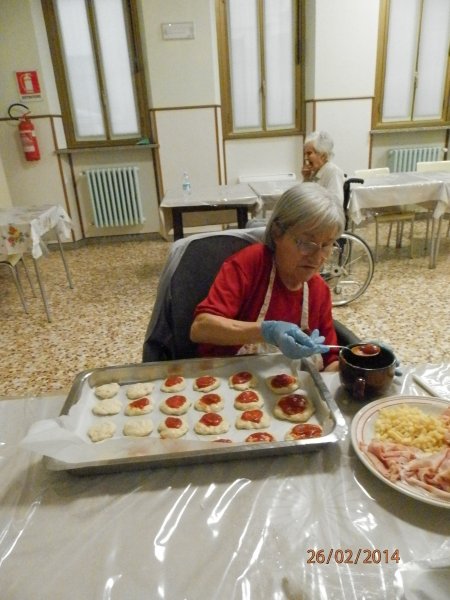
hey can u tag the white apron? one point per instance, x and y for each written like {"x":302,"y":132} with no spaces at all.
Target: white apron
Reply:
{"x":264,"y":347}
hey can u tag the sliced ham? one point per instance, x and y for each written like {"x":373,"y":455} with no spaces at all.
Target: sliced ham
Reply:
{"x":389,"y":457}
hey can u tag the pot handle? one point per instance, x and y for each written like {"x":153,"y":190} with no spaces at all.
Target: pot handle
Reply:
{"x":359,"y":386}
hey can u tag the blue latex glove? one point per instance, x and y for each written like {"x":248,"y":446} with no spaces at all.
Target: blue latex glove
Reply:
{"x":291,"y":340}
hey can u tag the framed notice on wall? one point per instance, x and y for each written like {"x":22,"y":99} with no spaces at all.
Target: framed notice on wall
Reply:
{"x":28,"y":85}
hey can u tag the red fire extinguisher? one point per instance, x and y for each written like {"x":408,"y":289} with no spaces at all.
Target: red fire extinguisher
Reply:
{"x":27,"y":134}
{"x":28,"y":138}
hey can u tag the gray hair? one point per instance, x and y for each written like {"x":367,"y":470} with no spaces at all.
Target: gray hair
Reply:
{"x":308,"y":205}
{"x":322,"y":142}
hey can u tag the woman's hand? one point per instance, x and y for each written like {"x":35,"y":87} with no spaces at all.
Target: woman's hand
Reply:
{"x":291,"y":340}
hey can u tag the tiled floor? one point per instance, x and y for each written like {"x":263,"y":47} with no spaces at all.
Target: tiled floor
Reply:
{"x":102,"y":321}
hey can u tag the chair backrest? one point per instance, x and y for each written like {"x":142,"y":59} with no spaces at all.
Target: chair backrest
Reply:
{"x":372,"y":172}
{"x":436,"y":165}
{"x":190,"y":269}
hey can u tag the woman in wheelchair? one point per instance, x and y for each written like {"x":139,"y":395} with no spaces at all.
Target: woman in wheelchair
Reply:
{"x":317,"y":165}
{"x":270,"y":296}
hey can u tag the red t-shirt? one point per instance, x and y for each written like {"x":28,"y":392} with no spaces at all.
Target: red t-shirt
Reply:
{"x":239,"y":290}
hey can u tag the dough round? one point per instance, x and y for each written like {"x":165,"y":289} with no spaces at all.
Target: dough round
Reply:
{"x":108,"y":390}
{"x":211,"y":423}
{"x":102,"y":431}
{"x":294,"y":407}
{"x":260,"y":436}
{"x":172,"y":427}
{"x":209,"y":403}
{"x":175,"y":405}
{"x":173,"y":383}
{"x":138,"y":427}
{"x":206,"y":383}
{"x":303,"y":431}
{"x":110,"y":406}
{"x":282,"y":383}
{"x":243,"y":380}
{"x":141,"y":406}
{"x":138,"y":390}
{"x":247,"y":400}
{"x":253,"y":419}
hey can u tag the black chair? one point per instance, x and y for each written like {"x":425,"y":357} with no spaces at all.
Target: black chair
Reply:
{"x":190,"y":270}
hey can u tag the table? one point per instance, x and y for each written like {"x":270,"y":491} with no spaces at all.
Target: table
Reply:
{"x":207,"y":532}
{"x":270,"y":191}
{"x":431,"y":189}
{"x":22,"y":230}
{"x":206,"y":198}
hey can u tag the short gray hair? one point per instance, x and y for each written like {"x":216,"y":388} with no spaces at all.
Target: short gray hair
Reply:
{"x":321,"y":141}
{"x":308,"y":205}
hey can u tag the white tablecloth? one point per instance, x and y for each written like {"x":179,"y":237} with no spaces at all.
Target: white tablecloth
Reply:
{"x":236,"y":530}
{"x":22,"y":228}
{"x":212,"y":195}
{"x":396,"y":189}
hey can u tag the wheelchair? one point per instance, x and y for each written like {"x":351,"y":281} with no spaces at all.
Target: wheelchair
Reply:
{"x":349,"y":270}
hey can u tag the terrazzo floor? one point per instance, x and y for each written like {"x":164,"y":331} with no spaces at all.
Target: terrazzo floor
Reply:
{"x":102,"y":321}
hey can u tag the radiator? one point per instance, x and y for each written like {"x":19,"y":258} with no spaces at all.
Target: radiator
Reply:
{"x":406,"y":159}
{"x":115,"y":196}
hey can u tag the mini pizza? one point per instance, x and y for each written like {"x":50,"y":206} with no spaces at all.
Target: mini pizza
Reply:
{"x":110,"y":406}
{"x":175,"y":405}
{"x":303,"y":431}
{"x":108,"y":390}
{"x":253,"y":419}
{"x":209,"y":403}
{"x":173,"y":383}
{"x":247,"y":400}
{"x":138,"y":427}
{"x":224,"y":441}
{"x":141,"y":406}
{"x":139,"y":390}
{"x":172,"y":427}
{"x":102,"y":431}
{"x":260,"y":436}
{"x":282,"y":383}
{"x":242,"y":381}
{"x":294,"y":407}
{"x":211,"y":424}
{"x":206,"y":383}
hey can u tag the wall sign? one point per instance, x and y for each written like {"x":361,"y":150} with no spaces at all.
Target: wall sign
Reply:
{"x":178,"y":31}
{"x":28,"y":85}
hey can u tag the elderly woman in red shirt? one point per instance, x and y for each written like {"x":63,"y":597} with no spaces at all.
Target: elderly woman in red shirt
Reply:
{"x":270,"y":297}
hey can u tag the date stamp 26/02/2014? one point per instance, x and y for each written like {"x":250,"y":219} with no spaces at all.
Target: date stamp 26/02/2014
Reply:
{"x":352,"y":557}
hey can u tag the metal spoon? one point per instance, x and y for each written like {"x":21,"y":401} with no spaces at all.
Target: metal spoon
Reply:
{"x":365,"y":350}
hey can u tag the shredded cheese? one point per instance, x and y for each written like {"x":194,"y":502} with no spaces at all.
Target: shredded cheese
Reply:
{"x":410,"y":426}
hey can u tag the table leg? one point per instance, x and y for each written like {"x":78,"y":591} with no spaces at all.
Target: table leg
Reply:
{"x":242,"y":216}
{"x":434,"y":246}
{"x":177,"y":219}
{"x":42,"y":288}
{"x":66,"y":266}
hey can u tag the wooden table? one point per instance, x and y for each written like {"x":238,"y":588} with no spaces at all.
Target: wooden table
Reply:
{"x":239,"y":197}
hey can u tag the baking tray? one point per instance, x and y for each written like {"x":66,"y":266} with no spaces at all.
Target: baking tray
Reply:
{"x":121,"y":453}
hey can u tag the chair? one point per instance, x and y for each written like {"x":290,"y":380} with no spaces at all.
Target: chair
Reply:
{"x":436,"y":165}
{"x":11,"y":262}
{"x":190,"y":269}
{"x":390,"y":215}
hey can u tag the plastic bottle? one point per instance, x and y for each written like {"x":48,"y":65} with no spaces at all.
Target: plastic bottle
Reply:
{"x":186,"y":184}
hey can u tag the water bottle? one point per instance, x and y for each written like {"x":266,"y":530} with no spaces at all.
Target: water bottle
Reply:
{"x":186,"y":184}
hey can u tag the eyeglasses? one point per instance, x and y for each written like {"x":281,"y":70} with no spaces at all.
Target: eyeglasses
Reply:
{"x":308,"y":248}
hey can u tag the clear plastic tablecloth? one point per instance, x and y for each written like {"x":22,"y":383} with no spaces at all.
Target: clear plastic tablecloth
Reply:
{"x":232,"y":530}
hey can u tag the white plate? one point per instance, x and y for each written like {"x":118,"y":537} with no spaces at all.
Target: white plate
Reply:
{"x":362,"y":431}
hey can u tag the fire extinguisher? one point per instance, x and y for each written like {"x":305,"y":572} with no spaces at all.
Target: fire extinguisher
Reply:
{"x":27,"y":134}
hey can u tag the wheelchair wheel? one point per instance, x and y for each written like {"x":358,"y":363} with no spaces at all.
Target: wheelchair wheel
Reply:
{"x":349,"y":270}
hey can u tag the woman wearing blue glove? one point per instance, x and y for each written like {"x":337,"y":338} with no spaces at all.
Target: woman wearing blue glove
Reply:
{"x":270,"y":296}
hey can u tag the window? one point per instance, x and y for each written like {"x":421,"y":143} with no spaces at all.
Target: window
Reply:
{"x":98,"y":68}
{"x":413,"y":63}
{"x":259,"y":67}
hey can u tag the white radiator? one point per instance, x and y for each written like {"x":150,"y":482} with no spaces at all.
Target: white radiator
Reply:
{"x":406,"y":159}
{"x":115,"y":196}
